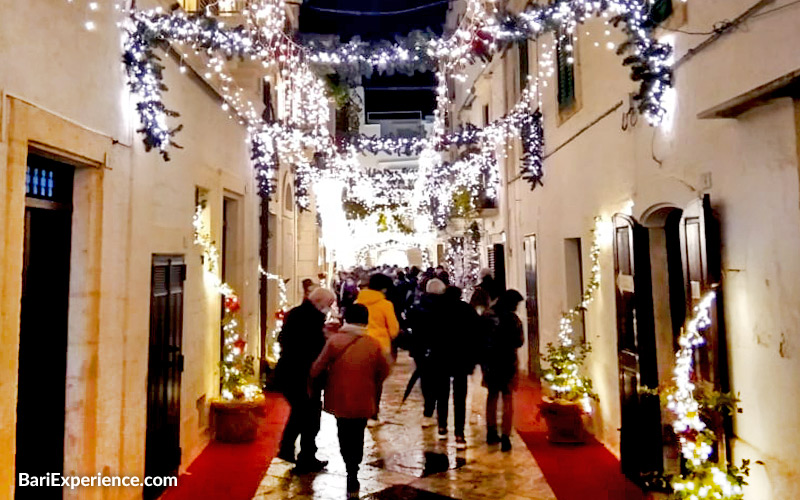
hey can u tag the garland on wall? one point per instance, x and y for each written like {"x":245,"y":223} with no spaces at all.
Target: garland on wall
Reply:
{"x":273,"y":348}
{"x":703,"y":478}
{"x":237,"y":368}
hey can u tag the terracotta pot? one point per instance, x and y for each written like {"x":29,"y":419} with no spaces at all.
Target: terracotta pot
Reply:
{"x":564,"y":421}
{"x":237,"y":421}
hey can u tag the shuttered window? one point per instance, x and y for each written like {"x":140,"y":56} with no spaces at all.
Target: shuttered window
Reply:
{"x":660,"y":10}
{"x":566,"y":73}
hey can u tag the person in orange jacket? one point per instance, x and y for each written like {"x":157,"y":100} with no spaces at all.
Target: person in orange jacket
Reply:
{"x":383,"y":324}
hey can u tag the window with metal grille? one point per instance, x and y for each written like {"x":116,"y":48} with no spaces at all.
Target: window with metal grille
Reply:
{"x":48,"y":180}
{"x":566,"y":72}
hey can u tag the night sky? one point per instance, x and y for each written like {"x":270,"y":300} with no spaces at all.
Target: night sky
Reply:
{"x":420,"y":95}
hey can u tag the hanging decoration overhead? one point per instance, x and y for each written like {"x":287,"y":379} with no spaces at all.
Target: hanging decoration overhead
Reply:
{"x":301,"y":137}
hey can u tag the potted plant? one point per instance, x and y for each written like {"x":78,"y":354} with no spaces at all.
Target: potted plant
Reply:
{"x":568,"y":393}
{"x":241,"y":403}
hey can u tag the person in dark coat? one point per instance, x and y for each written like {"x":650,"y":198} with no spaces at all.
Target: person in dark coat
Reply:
{"x":301,"y":341}
{"x":354,"y":366}
{"x":489,"y":284}
{"x":453,"y":358}
{"x":500,"y":364}
{"x":427,"y":319}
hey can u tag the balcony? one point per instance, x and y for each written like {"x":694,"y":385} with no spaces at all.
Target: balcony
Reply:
{"x":214,"y":7}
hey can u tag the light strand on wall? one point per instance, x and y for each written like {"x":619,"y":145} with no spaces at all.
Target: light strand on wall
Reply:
{"x":704,"y":479}
{"x":237,"y":371}
{"x":273,"y":348}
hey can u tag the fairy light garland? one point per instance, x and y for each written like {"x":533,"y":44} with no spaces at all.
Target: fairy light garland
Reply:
{"x":463,"y":261}
{"x":303,"y":128}
{"x":273,"y":347}
{"x":704,"y":479}
{"x":270,"y":45}
{"x":237,"y":369}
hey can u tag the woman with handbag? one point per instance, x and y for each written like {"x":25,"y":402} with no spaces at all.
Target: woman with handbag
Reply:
{"x":351,"y":368}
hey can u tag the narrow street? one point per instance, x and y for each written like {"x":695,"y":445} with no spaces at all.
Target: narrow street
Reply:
{"x":404,"y":461}
{"x":205,"y":203}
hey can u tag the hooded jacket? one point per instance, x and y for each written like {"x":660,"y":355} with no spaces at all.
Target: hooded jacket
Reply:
{"x":354,"y":367}
{"x":383,"y":325}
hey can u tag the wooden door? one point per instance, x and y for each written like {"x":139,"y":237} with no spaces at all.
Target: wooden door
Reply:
{"x":499,"y":268}
{"x":640,"y":439}
{"x":702,"y":271}
{"x":165,"y":364}
{"x":43,"y":324}
{"x":700,"y":248}
{"x":532,"y":304}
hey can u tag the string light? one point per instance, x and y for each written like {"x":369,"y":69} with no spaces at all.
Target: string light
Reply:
{"x":265,"y":41}
{"x":237,"y":369}
{"x":703,"y":479}
{"x":273,"y":347}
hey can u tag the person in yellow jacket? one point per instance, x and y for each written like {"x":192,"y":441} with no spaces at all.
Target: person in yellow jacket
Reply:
{"x":383,"y":324}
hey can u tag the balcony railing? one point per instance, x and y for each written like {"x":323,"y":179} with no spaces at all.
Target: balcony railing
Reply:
{"x":214,"y":7}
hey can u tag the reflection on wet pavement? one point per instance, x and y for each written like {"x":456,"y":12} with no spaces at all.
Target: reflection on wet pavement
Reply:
{"x":419,"y":463}
{"x":404,"y":461}
{"x":404,"y":492}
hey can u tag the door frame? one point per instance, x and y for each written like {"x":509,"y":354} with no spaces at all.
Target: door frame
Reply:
{"x":534,"y":367}
{"x":25,"y":127}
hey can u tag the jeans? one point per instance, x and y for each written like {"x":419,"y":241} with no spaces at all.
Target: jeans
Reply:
{"x":508,"y":410}
{"x":351,"y":442}
{"x":459,"y":401}
{"x":304,"y":422}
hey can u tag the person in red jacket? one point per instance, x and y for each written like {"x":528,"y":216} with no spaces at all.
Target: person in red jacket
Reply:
{"x":353,"y":366}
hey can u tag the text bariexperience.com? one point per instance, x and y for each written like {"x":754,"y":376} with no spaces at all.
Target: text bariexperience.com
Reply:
{"x":56,"y":479}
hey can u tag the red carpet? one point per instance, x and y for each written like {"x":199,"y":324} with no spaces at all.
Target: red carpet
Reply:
{"x":574,"y":472}
{"x":234,"y":471}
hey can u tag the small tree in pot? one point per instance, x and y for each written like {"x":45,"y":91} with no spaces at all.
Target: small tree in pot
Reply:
{"x":570,"y":392}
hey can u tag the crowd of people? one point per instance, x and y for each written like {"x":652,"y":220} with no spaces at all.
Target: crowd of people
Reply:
{"x":340,"y":345}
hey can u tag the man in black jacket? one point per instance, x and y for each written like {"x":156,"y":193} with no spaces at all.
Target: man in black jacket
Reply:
{"x":301,"y":340}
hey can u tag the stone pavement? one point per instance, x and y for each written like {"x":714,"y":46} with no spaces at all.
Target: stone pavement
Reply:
{"x":404,"y":461}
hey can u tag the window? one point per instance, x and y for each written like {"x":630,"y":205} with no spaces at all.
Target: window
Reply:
{"x":485,"y":115}
{"x":524,"y":68}
{"x":566,"y":73}
{"x":660,"y":10}
{"x":266,"y":97}
{"x":288,"y":197}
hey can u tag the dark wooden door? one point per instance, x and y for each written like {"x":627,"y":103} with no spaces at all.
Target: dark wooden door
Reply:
{"x":499,"y":267}
{"x":165,"y":364}
{"x":702,"y":272}
{"x":700,"y":249}
{"x":640,"y":439}
{"x":532,"y":304}
{"x":43,"y":324}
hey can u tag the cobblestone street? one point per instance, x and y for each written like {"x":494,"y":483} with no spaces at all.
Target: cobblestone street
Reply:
{"x":403,"y":460}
